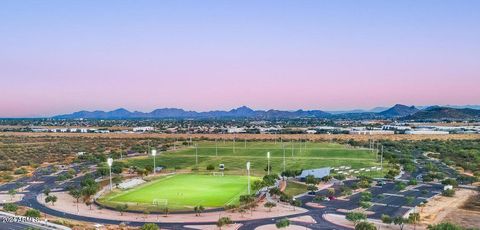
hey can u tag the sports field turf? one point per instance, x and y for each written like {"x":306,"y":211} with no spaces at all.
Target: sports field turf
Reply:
{"x":298,"y":155}
{"x":183,"y":192}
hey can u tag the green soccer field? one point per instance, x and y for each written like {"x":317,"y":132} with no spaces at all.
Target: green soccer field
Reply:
{"x":182,"y":192}
{"x":298,"y":155}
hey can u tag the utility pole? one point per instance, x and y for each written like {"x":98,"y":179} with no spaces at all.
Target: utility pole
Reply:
{"x":216,"y":147}
{"x":284,"y":163}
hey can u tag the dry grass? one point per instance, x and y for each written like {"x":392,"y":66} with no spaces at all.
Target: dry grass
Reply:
{"x":311,"y":137}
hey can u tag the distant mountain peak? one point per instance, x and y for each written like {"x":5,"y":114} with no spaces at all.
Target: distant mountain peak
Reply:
{"x":399,"y":110}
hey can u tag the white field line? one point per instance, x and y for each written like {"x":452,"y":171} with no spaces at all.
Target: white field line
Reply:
{"x":139,"y":187}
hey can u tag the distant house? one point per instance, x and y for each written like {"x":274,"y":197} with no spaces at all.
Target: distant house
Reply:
{"x":317,"y":173}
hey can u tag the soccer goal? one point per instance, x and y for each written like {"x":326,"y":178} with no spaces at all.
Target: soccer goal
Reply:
{"x":217,"y":174}
{"x":160,"y":202}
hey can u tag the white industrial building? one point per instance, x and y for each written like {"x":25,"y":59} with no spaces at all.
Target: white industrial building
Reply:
{"x":143,"y":129}
{"x":426,"y":132}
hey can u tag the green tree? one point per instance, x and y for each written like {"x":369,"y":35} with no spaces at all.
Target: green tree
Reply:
{"x":51,"y":199}
{"x":365,"y":226}
{"x":386,"y":219}
{"x":12,"y":193}
{"x":121,"y":208}
{"x":448,"y":192}
{"x":296,"y":203}
{"x":410,"y":199}
{"x":9,"y":207}
{"x":355,"y":217}
{"x":210,"y":167}
{"x":400,"y":221}
{"x":198,"y":210}
{"x":282,"y":223}
{"x":275,"y":192}
{"x":270,"y":205}
{"x":150,"y":226}
{"x":223,"y":221}
{"x":312,"y":188}
{"x":32,"y":213}
{"x":310,"y":179}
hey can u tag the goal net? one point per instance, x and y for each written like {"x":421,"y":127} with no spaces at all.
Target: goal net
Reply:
{"x":160,"y":202}
{"x":217,"y":173}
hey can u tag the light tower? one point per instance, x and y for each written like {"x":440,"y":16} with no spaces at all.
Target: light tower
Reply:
{"x":154,"y":154}
{"x":196,"y":155}
{"x":268,"y":163}
{"x":248,"y":176}
{"x":110,"y":162}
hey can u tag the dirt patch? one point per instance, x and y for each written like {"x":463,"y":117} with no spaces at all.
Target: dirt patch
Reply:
{"x":451,"y":209}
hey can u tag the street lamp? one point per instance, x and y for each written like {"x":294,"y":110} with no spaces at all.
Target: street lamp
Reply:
{"x":248,"y":176}
{"x":268,"y":163}
{"x":154,"y":154}
{"x":110,"y":162}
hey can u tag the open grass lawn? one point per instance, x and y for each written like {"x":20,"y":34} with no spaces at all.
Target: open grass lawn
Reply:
{"x":298,"y":155}
{"x":183,"y":192}
{"x":294,"y":189}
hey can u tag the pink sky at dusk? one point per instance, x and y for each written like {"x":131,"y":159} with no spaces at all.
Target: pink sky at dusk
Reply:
{"x":60,"y":58}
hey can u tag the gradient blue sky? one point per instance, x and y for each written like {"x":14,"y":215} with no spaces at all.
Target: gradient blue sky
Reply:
{"x":64,"y":56}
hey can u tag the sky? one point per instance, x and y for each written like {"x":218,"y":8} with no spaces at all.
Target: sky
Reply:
{"x":62,"y":56}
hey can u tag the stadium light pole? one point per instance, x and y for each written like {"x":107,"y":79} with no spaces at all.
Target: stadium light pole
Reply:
{"x":268,"y":163}
{"x":381,"y":159}
{"x":154,"y":154}
{"x":109,"y":163}
{"x":196,"y":155}
{"x":248,"y":177}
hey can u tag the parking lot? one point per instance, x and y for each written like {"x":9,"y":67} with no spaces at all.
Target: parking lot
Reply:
{"x":386,"y":199}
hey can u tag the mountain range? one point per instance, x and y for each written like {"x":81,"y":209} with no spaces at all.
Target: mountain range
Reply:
{"x":400,"y":112}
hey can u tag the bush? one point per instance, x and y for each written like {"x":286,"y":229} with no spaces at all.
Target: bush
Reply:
{"x":445,"y":226}
{"x":282,"y":223}
{"x":32,"y":213}
{"x":355,"y":217}
{"x":20,"y":171}
{"x":451,"y":182}
{"x":285,"y":198}
{"x":448,"y":192}
{"x":365,"y":204}
{"x":149,"y":226}
{"x":10,"y":207}
{"x":210,"y":167}
{"x":365,"y":226}
{"x":412,"y":182}
{"x":386,"y":219}
{"x":400,"y":186}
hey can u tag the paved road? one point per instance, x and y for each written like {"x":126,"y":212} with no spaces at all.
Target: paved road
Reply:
{"x":393,"y":205}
